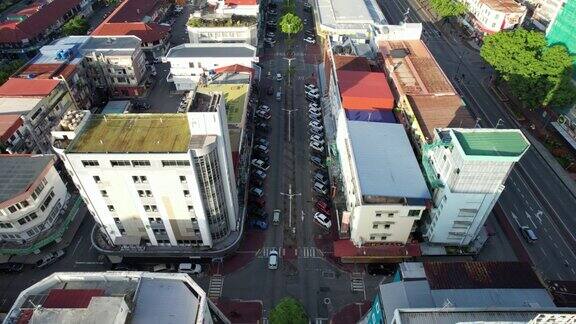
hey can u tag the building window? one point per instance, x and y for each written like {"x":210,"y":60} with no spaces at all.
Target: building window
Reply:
{"x":390,"y":214}
{"x":375,"y":226}
{"x":151,"y":208}
{"x":97,"y":179}
{"x":24,"y":204}
{"x":118,"y":163}
{"x":122,"y":231}
{"x":116,"y":220}
{"x":12,"y":209}
{"x":139,"y":179}
{"x":414,"y":212}
{"x":372,"y":238}
{"x":378,"y":214}
{"x":6,"y":225}
{"x":386,"y":226}
{"x":169,"y":163}
{"x":104,"y":193}
{"x":186,"y":193}
{"x":140,"y":163}
{"x":190,"y":208}
{"x":47,"y":201}
{"x":191,"y":65}
{"x":111,"y":208}
{"x":183,"y":179}
{"x":90,"y":163}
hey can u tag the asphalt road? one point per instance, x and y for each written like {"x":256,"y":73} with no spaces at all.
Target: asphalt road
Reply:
{"x":534,"y":194}
{"x":308,"y":277}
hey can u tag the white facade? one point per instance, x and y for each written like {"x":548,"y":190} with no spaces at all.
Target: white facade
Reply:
{"x":189,"y":63}
{"x":471,"y":185}
{"x":244,"y":8}
{"x":34,"y":210}
{"x":546,"y":12}
{"x":388,"y":216}
{"x":179,"y":198}
{"x":491,"y":16}
{"x":248,"y":35}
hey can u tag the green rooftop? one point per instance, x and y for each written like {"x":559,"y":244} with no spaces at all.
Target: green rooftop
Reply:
{"x":235,"y":96}
{"x":231,"y":21}
{"x":133,"y":133}
{"x":508,"y":143}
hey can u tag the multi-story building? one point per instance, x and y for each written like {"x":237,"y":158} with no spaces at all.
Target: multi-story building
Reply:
{"x":115,"y":66}
{"x":384,"y":188}
{"x":31,"y":197}
{"x":218,"y":29}
{"x":139,"y":18}
{"x":465,"y":292}
{"x":562,"y":29}
{"x":41,"y":103}
{"x":156,"y":179}
{"x":191,"y":64}
{"x":115,"y":297}
{"x":491,"y":16}
{"x":467,"y":169}
{"x":425,"y":97}
{"x":12,"y":132}
{"x":23,"y":32}
{"x":546,"y":11}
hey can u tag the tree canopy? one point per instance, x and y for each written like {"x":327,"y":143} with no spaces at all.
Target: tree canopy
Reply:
{"x":291,"y":24}
{"x":288,"y":311}
{"x":538,"y":74}
{"x":76,"y":26}
{"x":8,"y":69}
{"x":448,"y":8}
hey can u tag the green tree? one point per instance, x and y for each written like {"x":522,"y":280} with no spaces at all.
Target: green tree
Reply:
{"x":289,"y":7}
{"x":288,"y":311}
{"x":448,"y":8}
{"x":8,"y":69}
{"x":76,"y":26}
{"x":538,"y":75}
{"x":291,"y":24}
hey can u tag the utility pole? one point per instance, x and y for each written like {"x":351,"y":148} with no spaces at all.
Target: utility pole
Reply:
{"x":289,"y":59}
{"x":289,"y":111}
{"x":290,"y":196}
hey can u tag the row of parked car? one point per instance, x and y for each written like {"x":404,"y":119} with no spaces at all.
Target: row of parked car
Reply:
{"x":320,"y":182}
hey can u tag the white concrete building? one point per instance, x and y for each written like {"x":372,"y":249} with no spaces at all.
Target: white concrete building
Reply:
{"x":156,"y":179}
{"x":115,"y":297}
{"x":467,"y":169}
{"x":384,"y":188}
{"x":546,"y":12}
{"x":190,"y":63}
{"x":214,"y":30}
{"x":492,"y":16}
{"x":31,"y":197}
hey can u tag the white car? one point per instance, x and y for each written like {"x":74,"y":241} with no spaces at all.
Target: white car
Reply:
{"x":317,"y":146}
{"x":316,"y":125}
{"x":317,"y":138}
{"x":313,"y":105}
{"x":260,"y":174}
{"x":260,"y":164}
{"x":310,"y":86}
{"x":314,"y":112}
{"x":273,"y":260}
{"x":312,"y":95}
{"x":189,"y":268}
{"x":323,"y":220}
{"x":263,"y":114}
{"x":312,"y":91}
{"x":310,"y":40}
{"x":320,"y":188}
{"x":262,"y":148}
{"x":262,"y":141}
{"x":279,"y":77}
{"x":257,"y":192}
{"x":315,"y":118}
{"x":263,"y":108}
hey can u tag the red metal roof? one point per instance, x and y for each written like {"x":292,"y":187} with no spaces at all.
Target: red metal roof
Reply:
{"x":16,"y":87}
{"x":361,"y":90}
{"x":39,"y":18}
{"x":133,"y":10}
{"x":351,"y":63}
{"x":241,"y":2}
{"x":8,"y":125}
{"x":147,"y":32}
{"x":46,"y":71}
{"x":71,"y":298}
{"x":236,"y":68}
{"x":345,"y":248}
{"x":481,"y":275}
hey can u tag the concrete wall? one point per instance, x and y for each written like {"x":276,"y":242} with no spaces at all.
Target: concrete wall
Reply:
{"x":246,"y":35}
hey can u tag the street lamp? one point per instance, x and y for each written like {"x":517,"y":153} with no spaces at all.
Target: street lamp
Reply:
{"x":290,"y":196}
{"x":289,"y":68}
{"x":289,"y":111}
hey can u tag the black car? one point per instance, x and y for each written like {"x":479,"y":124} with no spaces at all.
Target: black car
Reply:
{"x":11,"y":267}
{"x":381,"y":269}
{"x":261,"y":156}
{"x":262,"y":127}
{"x":254,"y":181}
{"x":258,"y":213}
{"x":317,"y":160}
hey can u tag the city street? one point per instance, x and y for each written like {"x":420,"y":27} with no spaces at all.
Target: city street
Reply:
{"x":534,"y":195}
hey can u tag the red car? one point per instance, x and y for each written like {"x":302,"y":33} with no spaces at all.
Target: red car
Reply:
{"x":323,"y":207}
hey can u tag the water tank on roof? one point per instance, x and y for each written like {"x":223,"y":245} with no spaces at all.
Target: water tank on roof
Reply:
{"x":30,"y":75}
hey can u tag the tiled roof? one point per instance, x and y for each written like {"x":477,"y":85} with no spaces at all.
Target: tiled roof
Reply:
{"x":236,"y":68}
{"x":361,"y":90}
{"x":440,"y":112}
{"x":481,"y":275}
{"x":147,"y":32}
{"x":8,"y":125}
{"x":37,"y":21}
{"x":351,"y":63}
{"x":16,"y":87}
{"x":133,"y":10}
{"x":47,"y":71}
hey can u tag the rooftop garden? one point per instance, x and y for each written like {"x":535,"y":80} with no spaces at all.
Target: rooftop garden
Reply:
{"x":232,"y":21}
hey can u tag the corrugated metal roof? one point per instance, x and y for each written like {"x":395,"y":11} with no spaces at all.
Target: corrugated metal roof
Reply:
{"x":18,"y":172}
{"x":362,"y":90}
{"x":385,"y":162}
{"x":71,"y":298}
{"x":449,"y":316}
{"x":505,"y":297}
{"x":16,"y":87}
{"x":470,"y":275}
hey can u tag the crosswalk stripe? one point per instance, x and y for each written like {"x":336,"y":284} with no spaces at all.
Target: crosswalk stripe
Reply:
{"x":215,"y":287}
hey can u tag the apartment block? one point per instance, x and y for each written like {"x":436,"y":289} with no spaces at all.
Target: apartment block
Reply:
{"x":115,"y":297}
{"x":40,"y":103}
{"x":24,"y":31}
{"x":384,"y":189}
{"x":467,"y":169}
{"x":156,"y":179}
{"x":191,"y":64}
{"x":32,"y":195}
{"x":492,"y":16}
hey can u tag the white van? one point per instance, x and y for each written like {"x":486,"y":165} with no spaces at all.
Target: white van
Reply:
{"x":189,"y":268}
{"x":49,"y":258}
{"x":273,"y":260}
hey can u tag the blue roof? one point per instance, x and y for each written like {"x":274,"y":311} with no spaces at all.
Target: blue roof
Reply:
{"x":385,"y":162}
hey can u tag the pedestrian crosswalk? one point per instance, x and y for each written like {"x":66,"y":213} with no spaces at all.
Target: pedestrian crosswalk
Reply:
{"x":320,"y":320}
{"x":357,"y":282}
{"x":309,"y":252}
{"x":265,"y":251}
{"x":216,"y":285}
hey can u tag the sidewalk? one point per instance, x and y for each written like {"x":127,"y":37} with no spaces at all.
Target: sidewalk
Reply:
{"x":241,"y":311}
{"x":350,"y":313}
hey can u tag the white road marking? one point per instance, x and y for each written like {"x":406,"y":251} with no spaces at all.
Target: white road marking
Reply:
{"x":77,"y":244}
{"x":543,"y":252}
{"x":530,"y":218}
{"x":88,"y":262}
